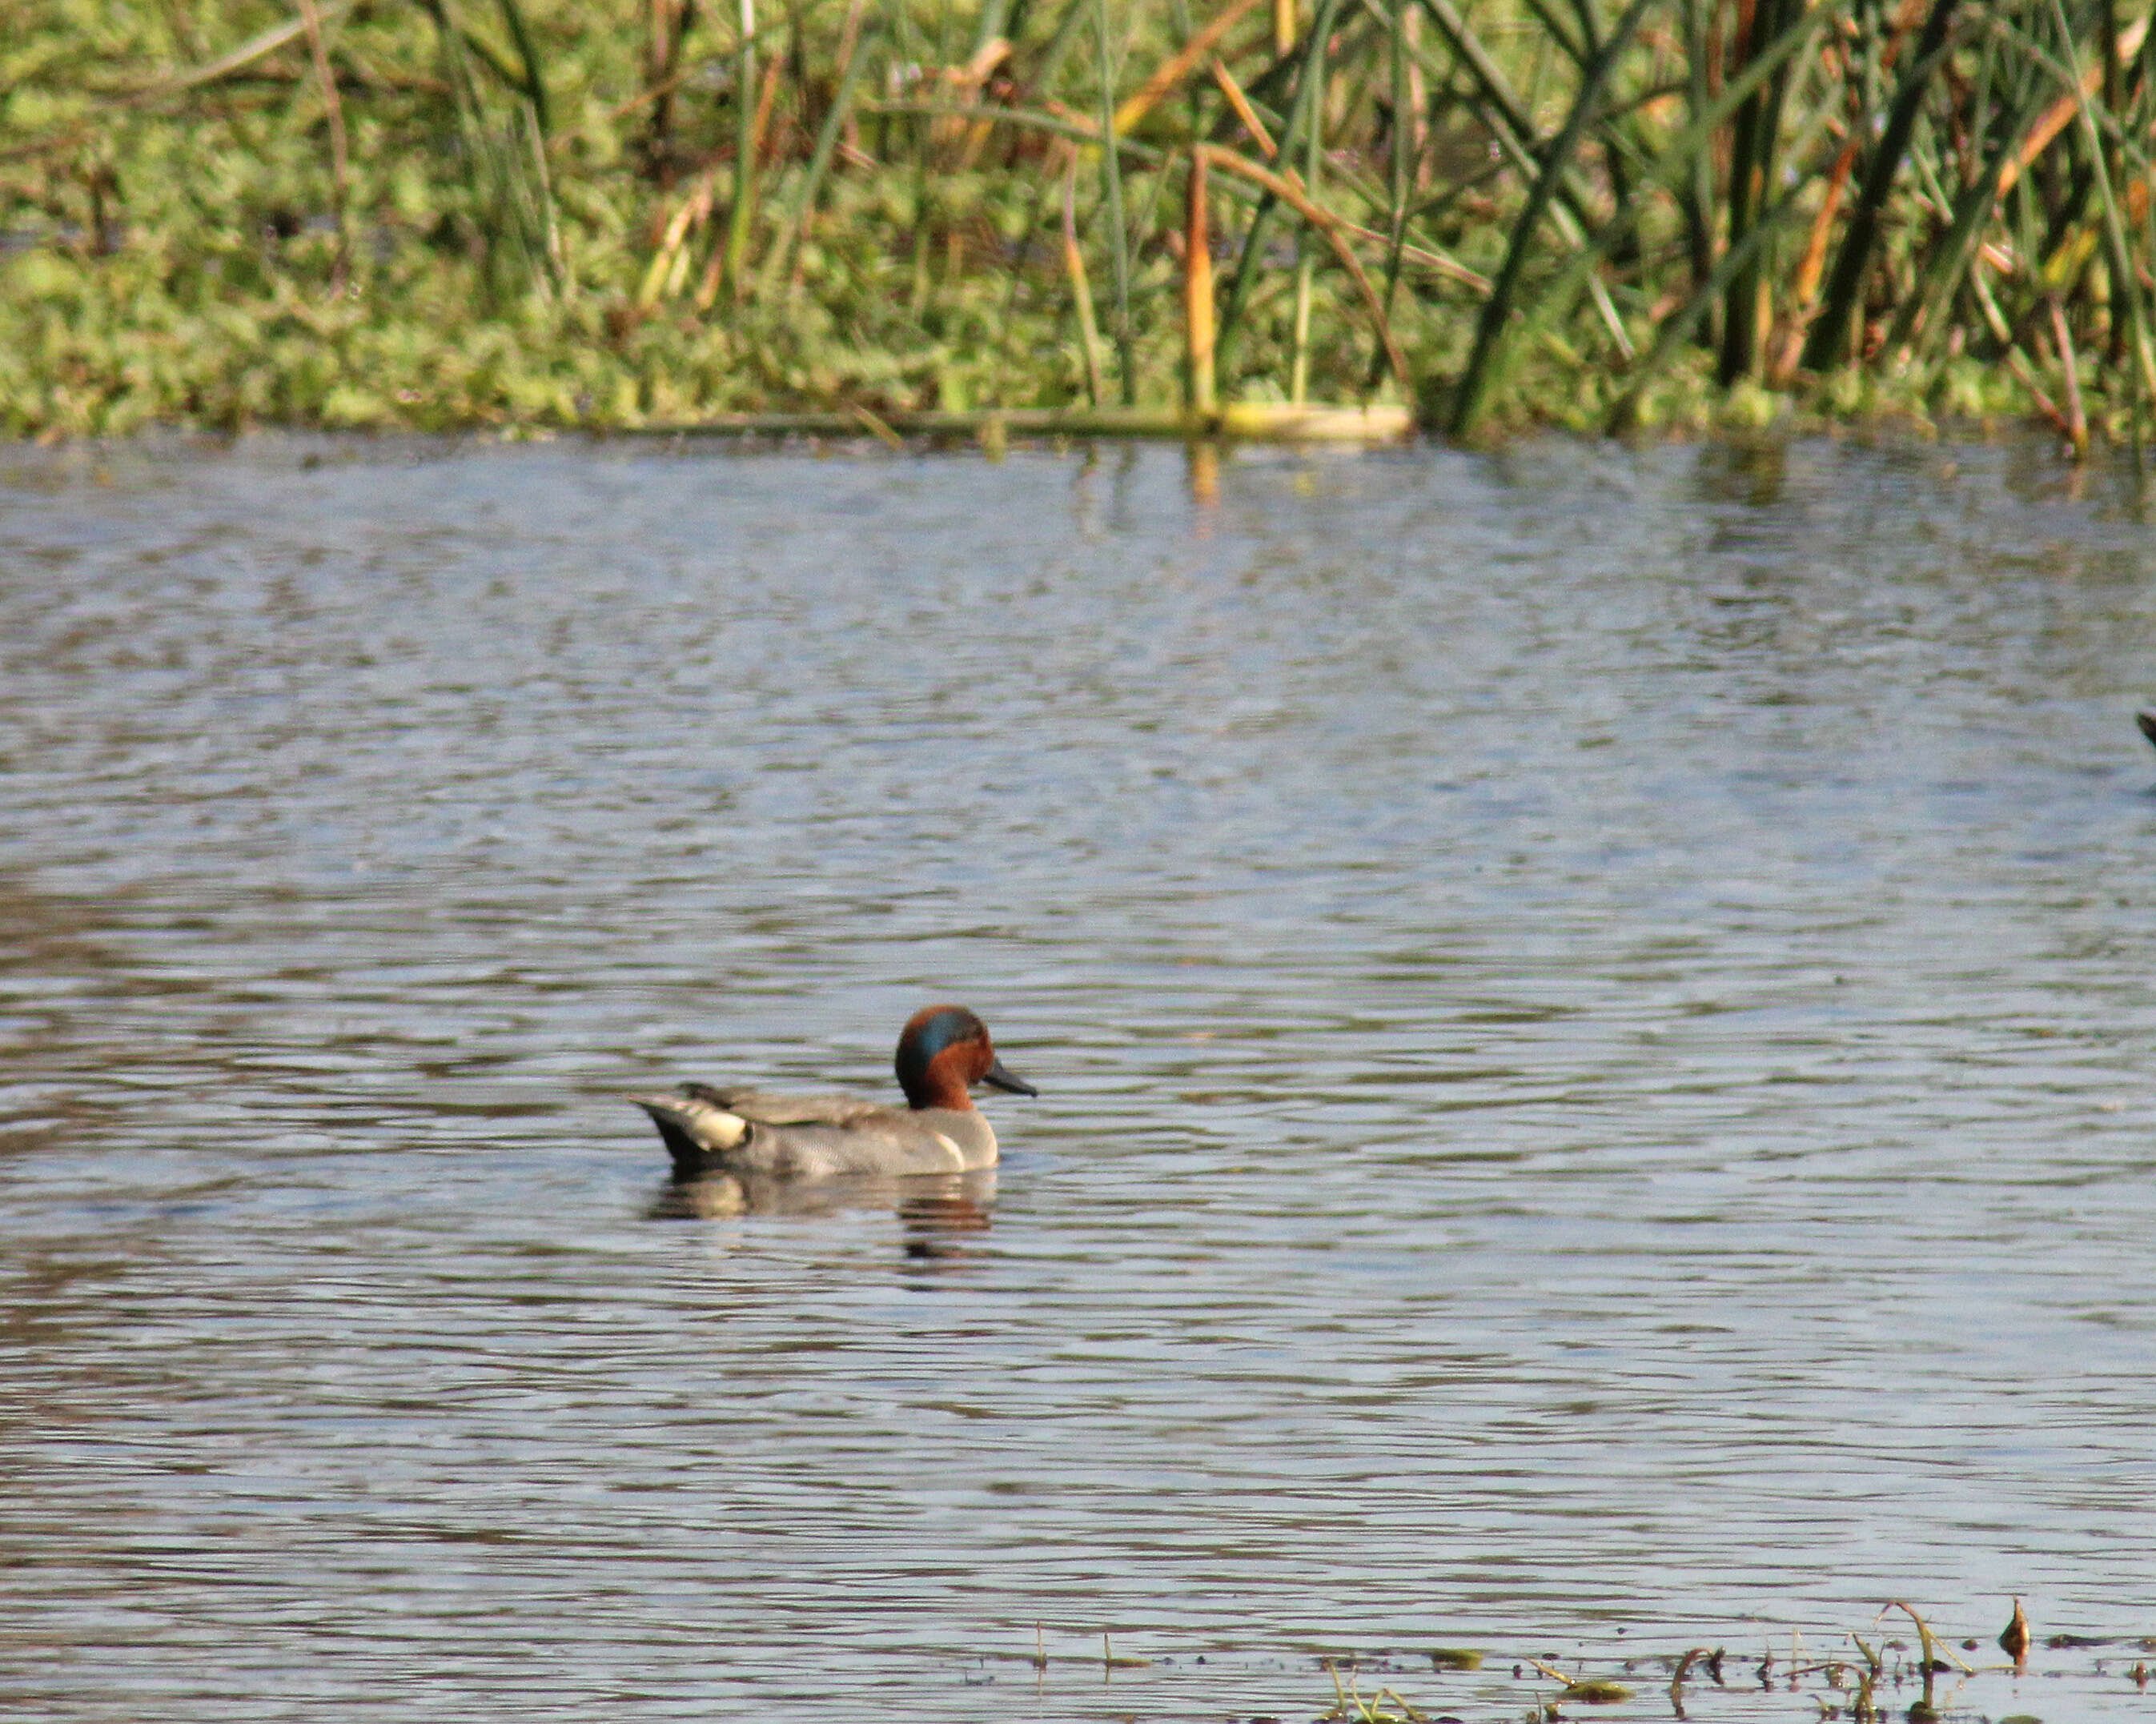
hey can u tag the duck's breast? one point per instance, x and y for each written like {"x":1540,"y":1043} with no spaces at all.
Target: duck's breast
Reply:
{"x":968,"y":1135}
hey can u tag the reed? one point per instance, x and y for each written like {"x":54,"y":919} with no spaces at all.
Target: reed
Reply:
{"x":1594,"y":213}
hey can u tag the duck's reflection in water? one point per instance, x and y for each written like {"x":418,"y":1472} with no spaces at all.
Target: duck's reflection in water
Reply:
{"x":937,"y":1222}
{"x":936,"y":1212}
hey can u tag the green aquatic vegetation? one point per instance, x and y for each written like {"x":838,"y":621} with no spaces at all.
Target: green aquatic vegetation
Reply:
{"x":1605,"y":215}
{"x":1349,"y":1702}
{"x":1111,"y":1661}
{"x":1874,"y":1680}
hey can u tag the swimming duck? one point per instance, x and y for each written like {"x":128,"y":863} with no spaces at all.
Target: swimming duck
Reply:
{"x":944,"y":1051}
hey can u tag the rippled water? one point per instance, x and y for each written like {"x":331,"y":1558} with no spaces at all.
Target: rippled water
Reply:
{"x":1593,"y":1011}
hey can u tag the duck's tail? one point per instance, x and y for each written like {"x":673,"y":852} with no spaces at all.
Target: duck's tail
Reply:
{"x":698,"y":1133}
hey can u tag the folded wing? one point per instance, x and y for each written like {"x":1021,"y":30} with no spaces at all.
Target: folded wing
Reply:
{"x":764,"y":1108}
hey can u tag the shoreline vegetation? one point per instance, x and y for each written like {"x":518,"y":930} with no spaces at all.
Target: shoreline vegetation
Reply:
{"x":1317,"y":217}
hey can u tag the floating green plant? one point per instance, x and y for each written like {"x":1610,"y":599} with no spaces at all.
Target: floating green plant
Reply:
{"x":1383,"y":1707}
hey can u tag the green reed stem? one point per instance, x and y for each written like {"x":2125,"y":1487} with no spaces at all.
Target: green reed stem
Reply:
{"x":2126,"y":284}
{"x":1250,"y":258}
{"x":1306,"y":268}
{"x":802,"y":207}
{"x":1112,"y":199}
{"x":534,"y":78}
{"x":1472,"y":394}
{"x":740,"y":216}
{"x":1830,"y":334}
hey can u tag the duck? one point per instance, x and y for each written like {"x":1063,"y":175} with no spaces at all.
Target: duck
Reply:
{"x":943,"y":1052}
{"x":2147,"y":721}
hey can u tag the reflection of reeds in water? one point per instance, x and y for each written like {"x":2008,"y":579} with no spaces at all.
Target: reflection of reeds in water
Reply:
{"x":1580,"y":205}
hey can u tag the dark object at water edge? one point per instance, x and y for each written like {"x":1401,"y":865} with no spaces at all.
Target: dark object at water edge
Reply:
{"x":2014,"y":1638}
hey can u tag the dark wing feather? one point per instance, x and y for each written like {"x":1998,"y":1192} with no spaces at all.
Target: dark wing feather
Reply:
{"x":688,"y":1154}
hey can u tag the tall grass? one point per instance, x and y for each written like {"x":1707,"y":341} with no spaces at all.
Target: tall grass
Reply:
{"x":1600,"y":212}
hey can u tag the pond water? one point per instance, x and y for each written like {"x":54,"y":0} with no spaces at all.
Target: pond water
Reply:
{"x":1594,"y":1012}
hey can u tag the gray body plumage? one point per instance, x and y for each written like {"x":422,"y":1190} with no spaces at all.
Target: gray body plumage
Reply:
{"x":754,"y":1133}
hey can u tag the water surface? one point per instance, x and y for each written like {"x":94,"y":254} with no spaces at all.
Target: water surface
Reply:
{"x":1594,"y":1010}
